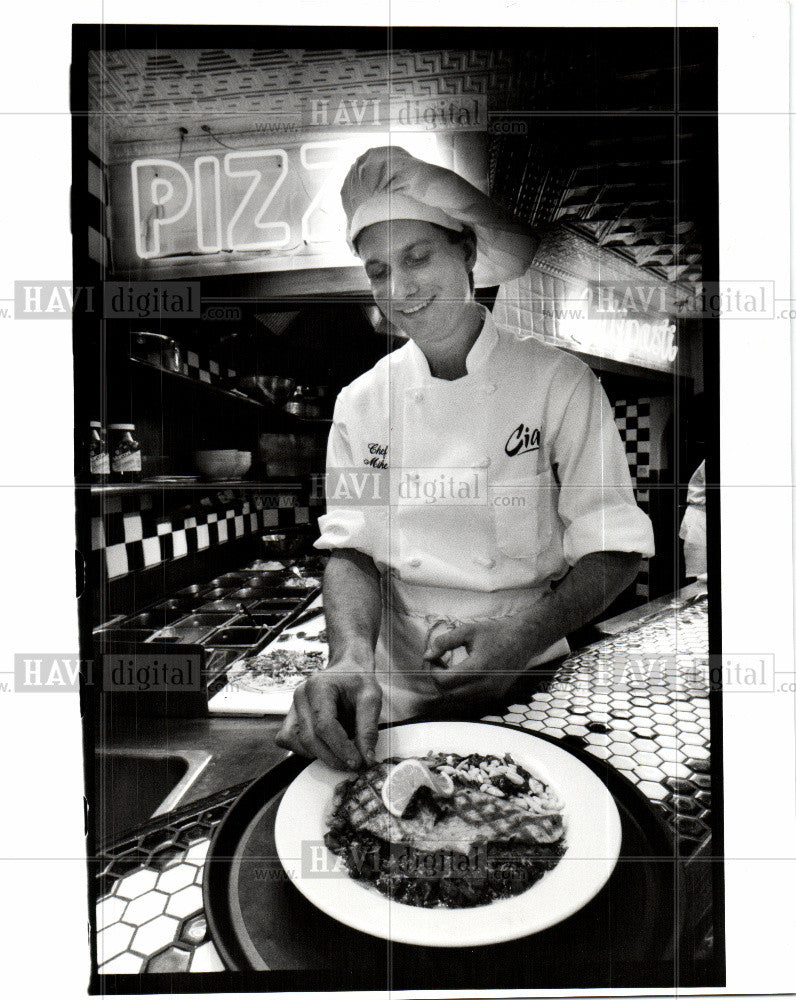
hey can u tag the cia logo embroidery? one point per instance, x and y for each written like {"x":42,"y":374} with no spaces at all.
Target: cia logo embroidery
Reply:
{"x":522,"y":440}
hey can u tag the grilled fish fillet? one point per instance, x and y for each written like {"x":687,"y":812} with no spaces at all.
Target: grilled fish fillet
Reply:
{"x":471,"y":817}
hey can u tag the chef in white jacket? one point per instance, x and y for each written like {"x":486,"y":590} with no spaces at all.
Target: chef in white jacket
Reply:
{"x":479,"y":503}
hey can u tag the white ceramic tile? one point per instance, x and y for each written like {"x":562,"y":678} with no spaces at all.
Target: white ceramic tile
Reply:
{"x":222,"y":531}
{"x":185,"y":902}
{"x":155,"y":935}
{"x":95,"y":182}
{"x":145,"y":907}
{"x":116,"y":560}
{"x":176,"y":878}
{"x":623,"y":763}
{"x":254,"y":521}
{"x":239,"y":526}
{"x":653,"y":790}
{"x":151,"y":551}
{"x":270,"y":518}
{"x":109,"y":910}
{"x":180,"y":544}
{"x":97,"y":247}
{"x":646,"y":773}
{"x":692,"y":739}
{"x":198,"y":852}
{"x":124,"y":963}
{"x":675,"y":770}
{"x":136,"y":884}
{"x":133,"y":529}
{"x":113,"y":941}
{"x":164,"y":528}
{"x":97,"y":534}
{"x":203,"y":536}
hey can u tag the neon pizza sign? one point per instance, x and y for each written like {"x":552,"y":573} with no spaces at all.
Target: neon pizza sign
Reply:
{"x":280,"y":200}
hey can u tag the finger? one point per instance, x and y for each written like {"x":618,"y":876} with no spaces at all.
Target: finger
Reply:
{"x":308,"y":734}
{"x":288,"y":736}
{"x":368,"y":709}
{"x":466,"y":672}
{"x":328,"y":730}
{"x":444,"y":641}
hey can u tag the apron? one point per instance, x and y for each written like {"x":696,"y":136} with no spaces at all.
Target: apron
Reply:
{"x":408,"y":612}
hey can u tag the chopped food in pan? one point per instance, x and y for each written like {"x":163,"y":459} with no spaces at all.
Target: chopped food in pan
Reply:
{"x":283,"y":667}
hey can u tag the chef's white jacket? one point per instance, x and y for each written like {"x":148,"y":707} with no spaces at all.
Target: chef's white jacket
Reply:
{"x":497,"y":480}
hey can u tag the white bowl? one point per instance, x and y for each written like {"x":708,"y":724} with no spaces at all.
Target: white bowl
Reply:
{"x":244,"y":463}
{"x":218,"y":464}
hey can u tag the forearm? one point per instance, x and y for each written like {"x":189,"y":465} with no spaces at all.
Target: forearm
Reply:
{"x":352,"y":603}
{"x":591,"y":585}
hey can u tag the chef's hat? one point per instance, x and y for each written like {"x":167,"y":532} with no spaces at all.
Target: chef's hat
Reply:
{"x":386,"y":183}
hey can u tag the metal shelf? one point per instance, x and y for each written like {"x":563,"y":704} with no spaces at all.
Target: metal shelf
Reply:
{"x":290,"y":419}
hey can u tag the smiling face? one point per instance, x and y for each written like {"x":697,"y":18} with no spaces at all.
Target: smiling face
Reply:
{"x":420,"y":279}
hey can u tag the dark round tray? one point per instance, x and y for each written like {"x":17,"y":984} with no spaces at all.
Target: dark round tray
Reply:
{"x":627,"y":935}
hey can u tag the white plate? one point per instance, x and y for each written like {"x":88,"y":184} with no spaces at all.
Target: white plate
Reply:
{"x":590,"y":814}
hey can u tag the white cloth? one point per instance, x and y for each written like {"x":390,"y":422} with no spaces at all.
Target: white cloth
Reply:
{"x":693,"y":529}
{"x":387,"y":182}
{"x":529,"y":429}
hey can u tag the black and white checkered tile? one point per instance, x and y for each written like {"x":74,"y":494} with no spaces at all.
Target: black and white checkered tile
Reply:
{"x":129,"y":536}
{"x":633,"y":420}
{"x":205,"y":369}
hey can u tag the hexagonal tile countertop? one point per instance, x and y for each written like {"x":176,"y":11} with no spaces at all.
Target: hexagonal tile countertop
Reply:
{"x":638,"y":700}
{"x":149,"y":915}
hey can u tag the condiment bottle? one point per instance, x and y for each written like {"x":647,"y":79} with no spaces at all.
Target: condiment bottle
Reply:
{"x":125,"y":453}
{"x":99,"y":463}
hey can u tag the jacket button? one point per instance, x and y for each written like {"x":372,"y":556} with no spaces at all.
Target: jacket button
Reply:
{"x":414,"y":562}
{"x":418,"y":397}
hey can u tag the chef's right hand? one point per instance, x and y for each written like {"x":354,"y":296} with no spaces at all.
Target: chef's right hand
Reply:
{"x":328,"y":707}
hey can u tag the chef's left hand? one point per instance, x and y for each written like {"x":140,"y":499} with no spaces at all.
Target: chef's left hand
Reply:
{"x":497,"y":653}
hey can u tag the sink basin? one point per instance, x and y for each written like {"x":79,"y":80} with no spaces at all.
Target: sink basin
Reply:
{"x":132,"y":786}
